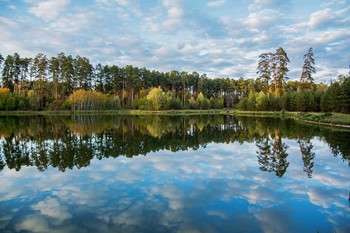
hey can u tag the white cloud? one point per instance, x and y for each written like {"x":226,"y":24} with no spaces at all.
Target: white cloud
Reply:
{"x":122,"y":7}
{"x":174,"y":16}
{"x":329,"y":18}
{"x":72,"y":23}
{"x":48,"y":9}
{"x":216,"y":3}
{"x":180,"y":33}
{"x":320,"y":17}
{"x":332,"y":36}
{"x":262,"y":19}
{"x":263,"y":4}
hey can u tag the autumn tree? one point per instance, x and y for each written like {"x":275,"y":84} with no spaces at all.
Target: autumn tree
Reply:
{"x":202,"y":102}
{"x":157,"y":99}
{"x":4,"y":95}
{"x":81,"y":100}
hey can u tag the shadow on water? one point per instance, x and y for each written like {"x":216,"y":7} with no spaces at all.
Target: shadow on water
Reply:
{"x":73,"y":141}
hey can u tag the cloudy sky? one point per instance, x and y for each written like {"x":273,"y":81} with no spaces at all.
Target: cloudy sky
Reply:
{"x":222,"y":38}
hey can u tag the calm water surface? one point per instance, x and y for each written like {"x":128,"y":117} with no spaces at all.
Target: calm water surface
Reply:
{"x":172,"y":174}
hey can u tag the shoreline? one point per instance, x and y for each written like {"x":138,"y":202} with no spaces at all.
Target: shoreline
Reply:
{"x":325,"y":119}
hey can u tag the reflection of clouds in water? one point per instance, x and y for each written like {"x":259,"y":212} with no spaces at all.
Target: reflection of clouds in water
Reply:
{"x":34,"y":223}
{"x":14,"y":184}
{"x":87,"y":196}
{"x":273,"y":220}
{"x":229,"y":163}
{"x":264,"y":197}
{"x":331,"y":179}
{"x":334,"y":204}
{"x":51,"y":207}
{"x":174,"y":195}
{"x":217,"y":214}
{"x":163,"y":187}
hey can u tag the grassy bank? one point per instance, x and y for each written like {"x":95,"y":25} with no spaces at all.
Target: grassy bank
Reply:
{"x":332,"y":119}
{"x":337,"y":119}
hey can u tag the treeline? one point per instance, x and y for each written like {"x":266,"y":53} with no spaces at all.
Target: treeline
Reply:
{"x":65,"y":82}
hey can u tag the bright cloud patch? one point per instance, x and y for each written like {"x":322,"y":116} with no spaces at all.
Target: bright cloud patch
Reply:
{"x":48,"y":9}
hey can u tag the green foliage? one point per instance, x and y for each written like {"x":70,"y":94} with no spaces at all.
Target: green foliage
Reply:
{"x":43,"y":83}
{"x":251,"y":102}
{"x":332,"y":100}
{"x":286,"y":101}
{"x":22,"y":102}
{"x":33,"y":100}
{"x":192,"y":103}
{"x":57,"y":105}
{"x":175,"y":103}
{"x":261,"y":101}
{"x":141,"y":103}
{"x":242,"y":104}
{"x":216,"y":103}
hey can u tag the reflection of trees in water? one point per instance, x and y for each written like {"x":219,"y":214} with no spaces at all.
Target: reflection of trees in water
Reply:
{"x":68,"y":142}
{"x":272,"y":154}
{"x":307,"y":155}
{"x":339,"y":143}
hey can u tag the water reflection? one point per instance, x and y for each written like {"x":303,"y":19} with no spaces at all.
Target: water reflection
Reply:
{"x":272,"y":154}
{"x":228,"y":175}
{"x":73,"y":141}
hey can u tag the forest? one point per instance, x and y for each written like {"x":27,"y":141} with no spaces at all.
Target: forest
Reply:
{"x":72,"y":83}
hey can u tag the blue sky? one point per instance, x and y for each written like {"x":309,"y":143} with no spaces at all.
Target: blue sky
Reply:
{"x":220,"y":38}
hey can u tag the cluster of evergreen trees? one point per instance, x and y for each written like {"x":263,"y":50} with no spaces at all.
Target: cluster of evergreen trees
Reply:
{"x":73,"y":83}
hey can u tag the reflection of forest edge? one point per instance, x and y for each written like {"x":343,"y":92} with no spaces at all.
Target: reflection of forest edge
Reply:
{"x":73,"y":141}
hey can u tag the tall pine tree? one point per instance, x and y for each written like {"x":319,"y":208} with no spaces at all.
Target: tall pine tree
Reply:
{"x":306,"y":78}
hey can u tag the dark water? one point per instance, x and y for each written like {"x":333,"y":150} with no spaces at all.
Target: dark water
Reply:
{"x":172,"y":174}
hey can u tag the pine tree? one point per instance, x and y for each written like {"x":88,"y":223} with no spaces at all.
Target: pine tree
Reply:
{"x":281,"y":59}
{"x":308,"y":69}
{"x":264,"y":70}
{"x":275,"y":65}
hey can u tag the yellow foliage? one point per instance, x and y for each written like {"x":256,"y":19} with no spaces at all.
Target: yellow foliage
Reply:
{"x":89,"y":100}
{"x":155,"y":98}
{"x":4,"y":91}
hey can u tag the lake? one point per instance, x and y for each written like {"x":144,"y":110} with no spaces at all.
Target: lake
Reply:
{"x":172,"y":174}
